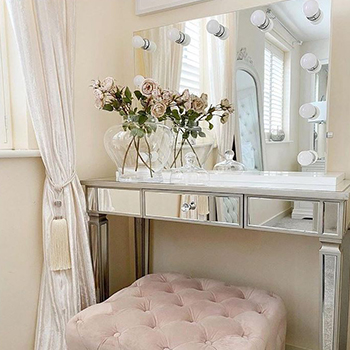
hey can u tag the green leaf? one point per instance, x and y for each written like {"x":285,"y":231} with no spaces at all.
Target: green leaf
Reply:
{"x":138,"y":94}
{"x":128,"y":94}
{"x":211,"y":126}
{"x":194,"y":134}
{"x":140,"y":133}
{"x":142,"y":119}
{"x":202,"y":134}
{"x":133,"y":132}
{"x":108,"y":107}
{"x":175,"y":114}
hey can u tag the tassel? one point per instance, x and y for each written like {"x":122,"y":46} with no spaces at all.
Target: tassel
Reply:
{"x":59,"y":245}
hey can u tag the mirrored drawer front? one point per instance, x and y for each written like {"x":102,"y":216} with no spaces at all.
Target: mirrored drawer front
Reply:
{"x":283,"y":215}
{"x":116,"y":201}
{"x":194,"y":207}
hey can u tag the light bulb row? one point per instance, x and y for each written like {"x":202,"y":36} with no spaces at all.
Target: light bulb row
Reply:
{"x":178,"y":37}
{"x":311,"y":10}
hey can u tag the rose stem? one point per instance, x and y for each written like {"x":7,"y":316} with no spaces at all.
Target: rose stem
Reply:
{"x":178,"y":153}
{"x":137,"y":157}
{"x":177,"y":135}
{"x":199,"y":163}
{"x":126,"y":154}
{"x":142,"y":160}
{"x":149,"y":155}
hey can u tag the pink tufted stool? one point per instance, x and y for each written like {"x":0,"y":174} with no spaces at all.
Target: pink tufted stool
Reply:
{"x":175,"y":312}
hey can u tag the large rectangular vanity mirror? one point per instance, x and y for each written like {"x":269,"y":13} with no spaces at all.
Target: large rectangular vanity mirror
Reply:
{"x":272,"y":61}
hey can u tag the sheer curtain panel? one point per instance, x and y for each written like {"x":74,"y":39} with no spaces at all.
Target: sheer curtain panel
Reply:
{"x":45,"y":32}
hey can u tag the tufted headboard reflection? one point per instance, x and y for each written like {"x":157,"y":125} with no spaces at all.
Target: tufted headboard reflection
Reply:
{"x":250,"y":146}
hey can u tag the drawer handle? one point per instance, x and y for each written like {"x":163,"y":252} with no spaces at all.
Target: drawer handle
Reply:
{"x":187,"y":207}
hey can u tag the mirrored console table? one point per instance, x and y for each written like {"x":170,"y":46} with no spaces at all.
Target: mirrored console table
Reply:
{"x":243,"y":205}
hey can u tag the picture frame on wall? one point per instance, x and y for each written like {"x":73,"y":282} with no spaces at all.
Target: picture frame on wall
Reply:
{"x":145,"y":7}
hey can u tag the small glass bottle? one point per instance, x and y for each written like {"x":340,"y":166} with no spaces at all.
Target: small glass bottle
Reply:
{"x":189,"y":174}
{"x":229,"y":164}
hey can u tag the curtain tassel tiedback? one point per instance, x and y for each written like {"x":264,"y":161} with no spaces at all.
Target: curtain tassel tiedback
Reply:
{"x":59,"y":251}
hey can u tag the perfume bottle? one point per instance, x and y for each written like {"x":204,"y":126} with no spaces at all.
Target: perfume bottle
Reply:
{"x":229,"y":164}
{"x":190,"y":173}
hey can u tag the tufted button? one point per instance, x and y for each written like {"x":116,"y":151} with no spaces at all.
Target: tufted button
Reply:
{"x":116,"y":335}
{"x":208,"y":342}
{"x":166,"y":349}
{"x":80,"y":321}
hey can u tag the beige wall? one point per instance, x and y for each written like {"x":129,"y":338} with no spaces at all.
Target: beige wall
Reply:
{"x":267,"y":258}
{"x":21,"y":181}
{"x":270,"y":261}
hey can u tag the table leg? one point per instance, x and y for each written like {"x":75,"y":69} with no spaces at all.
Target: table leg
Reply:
{"x":142,"y":246}
{"x":98,"y":230}
{"x":334,"y":263}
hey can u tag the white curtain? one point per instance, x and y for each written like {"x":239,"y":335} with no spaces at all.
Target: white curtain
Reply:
{"x":219,"y":57}
{"x":45,"y":31}
{"x":163,"y":65}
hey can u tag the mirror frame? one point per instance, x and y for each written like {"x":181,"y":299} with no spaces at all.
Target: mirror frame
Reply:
{"x":245,"y":63}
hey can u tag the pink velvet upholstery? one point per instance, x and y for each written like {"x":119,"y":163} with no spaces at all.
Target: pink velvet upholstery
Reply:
{"x":175,"y":312}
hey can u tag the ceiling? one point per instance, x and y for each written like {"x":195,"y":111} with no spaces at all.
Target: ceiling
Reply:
{"x":291,"y":14}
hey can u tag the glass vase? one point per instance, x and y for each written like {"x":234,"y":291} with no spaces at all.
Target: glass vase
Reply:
{"x":139,"y":159}
{"x":200,"y":146}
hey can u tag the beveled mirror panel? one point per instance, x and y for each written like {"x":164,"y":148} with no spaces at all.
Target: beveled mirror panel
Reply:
{"x":264,"y":71}
{"x":194,"y":207}
{"x":124,"y":202}
{"x":286,"y":215}
{"x":332,"y":218}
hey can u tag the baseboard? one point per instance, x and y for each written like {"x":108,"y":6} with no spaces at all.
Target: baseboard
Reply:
{"x":301,"y":214}
{"x":276,"y":218}
{"x":291,"y":347}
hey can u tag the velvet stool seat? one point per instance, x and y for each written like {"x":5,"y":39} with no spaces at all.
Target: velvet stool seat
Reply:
{"x":175,"y":312}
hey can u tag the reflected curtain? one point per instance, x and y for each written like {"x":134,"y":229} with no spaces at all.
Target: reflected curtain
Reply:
{"x":219,"y":57}
{"x":45,"y":32}
{"x":164,"y":65}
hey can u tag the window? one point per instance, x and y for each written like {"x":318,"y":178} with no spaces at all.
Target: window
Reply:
{"x":274,"y":89}
{"x":190,"y":70}
{"x":5,"y":121}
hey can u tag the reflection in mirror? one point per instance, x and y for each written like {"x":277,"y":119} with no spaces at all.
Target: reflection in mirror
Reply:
{"x":267,"y":57}
{"x":283,"y":214}
{"x":194,"y":207}
{"x":249,"y":145}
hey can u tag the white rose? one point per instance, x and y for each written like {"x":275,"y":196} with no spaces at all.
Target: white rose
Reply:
{"x":108,"y":84}
{"x":99,"y":98}
{"x":198,"y":104}
{"x":148,"y":86}
{"x":158,"y":110}
{"x":224,"y":118}
{"x":167,"y":96}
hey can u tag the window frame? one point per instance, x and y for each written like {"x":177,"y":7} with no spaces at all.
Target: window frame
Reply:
{"x":6,"y":139}
{"x":275,"y":44}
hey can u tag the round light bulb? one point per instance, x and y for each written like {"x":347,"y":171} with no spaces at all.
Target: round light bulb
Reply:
{"x":213,"y":26}
{"x":311,"y":8}
{"x":138,"y":80}
{"x":311,"y":63}
{"x":258,"y":18}
{"x":306,"y":158}
{"x":137,"y":42}
{"x":152,"y":47}
{"x":308,"y":111}
{"x":173,"y":34}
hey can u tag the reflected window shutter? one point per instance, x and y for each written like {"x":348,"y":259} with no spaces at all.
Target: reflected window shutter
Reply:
{"x":190,"y":70}
{"x":273,"y":88}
